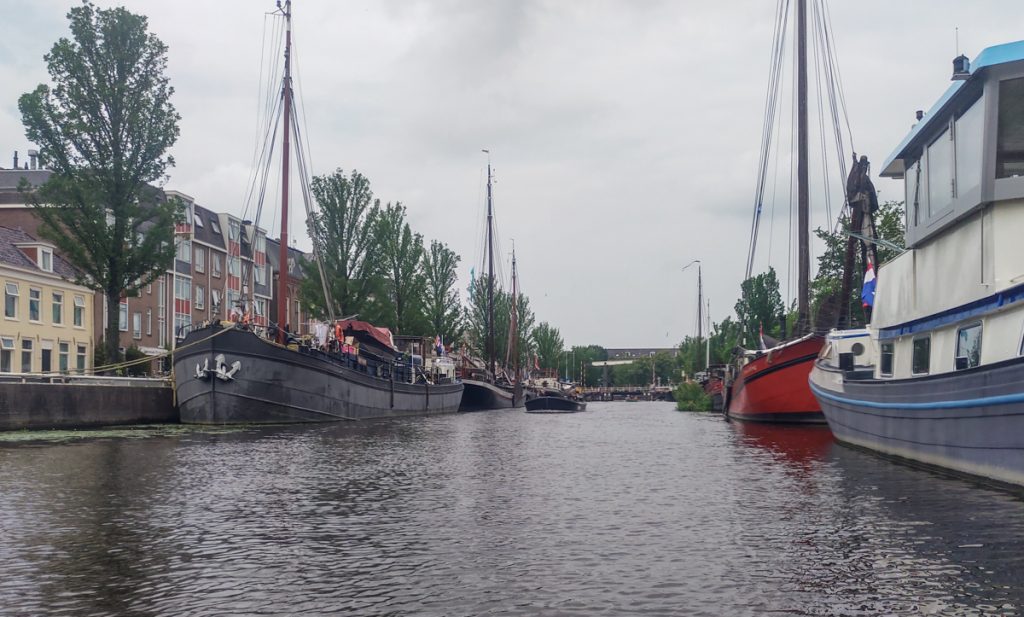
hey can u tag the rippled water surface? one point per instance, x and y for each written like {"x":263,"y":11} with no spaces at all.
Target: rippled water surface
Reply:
{"x":628,"y":509}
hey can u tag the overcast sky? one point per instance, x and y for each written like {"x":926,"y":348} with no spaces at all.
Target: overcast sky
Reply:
{"x":625,"y":135}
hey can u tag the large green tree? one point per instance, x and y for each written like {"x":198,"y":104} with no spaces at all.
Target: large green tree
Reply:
{"x":441,"y":302}
{"x":825,"y":288}
{"x":549,"y":345}
{"x":760,"y":306}
{"x":345,"y":229}
{"x":401,"y":253}
{"x":104,"y":127}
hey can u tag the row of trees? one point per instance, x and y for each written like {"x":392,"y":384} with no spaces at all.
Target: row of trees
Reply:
{"x":376,"y":266}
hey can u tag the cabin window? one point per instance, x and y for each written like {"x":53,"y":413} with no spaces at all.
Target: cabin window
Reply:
{"x":1010,"y":135}
{"x":969,"y":140}
{"x":940,"y":173}
{"x":11,"y":300}
{"x":885,"y":366}
{"x":921,"y":359}
{"x":915,"y":193}
{"x":968,"y":346}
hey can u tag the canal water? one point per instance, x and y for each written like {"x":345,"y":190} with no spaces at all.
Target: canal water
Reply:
{"x":628,"y":509}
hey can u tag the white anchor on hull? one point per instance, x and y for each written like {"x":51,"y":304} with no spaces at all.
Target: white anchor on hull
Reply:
{"x":221,"y":370}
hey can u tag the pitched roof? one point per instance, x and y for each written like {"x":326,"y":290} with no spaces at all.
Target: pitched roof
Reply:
{"x":11,"y":255}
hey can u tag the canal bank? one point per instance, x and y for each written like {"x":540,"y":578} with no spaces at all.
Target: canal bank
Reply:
{"x":65,"y":402}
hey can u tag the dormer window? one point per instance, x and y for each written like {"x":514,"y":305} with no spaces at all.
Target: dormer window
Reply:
{"x":215,"y":226}
{"x":46,"y":259}
{"x":199,"y":221}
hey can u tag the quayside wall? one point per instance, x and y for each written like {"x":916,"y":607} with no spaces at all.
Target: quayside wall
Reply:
{"x":76,"y":402}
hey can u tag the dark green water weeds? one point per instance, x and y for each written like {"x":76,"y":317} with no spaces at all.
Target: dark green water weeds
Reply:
{"x":628,"y":509}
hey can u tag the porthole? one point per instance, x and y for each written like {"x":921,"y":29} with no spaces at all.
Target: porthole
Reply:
{"x":857,"y":349}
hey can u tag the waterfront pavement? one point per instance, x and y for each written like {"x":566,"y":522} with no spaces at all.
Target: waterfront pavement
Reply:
{"x":628,"y":509}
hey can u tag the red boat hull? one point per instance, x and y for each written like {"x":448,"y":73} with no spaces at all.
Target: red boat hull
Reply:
{"x":774,"y":387}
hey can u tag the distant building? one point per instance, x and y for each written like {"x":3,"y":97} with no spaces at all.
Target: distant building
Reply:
{"x":47,"y":324}
{"x":629,"y":353}
{"x":297,"y":320}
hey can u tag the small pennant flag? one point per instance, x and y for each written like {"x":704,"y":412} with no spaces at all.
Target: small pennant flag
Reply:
{"x":867,"y":294}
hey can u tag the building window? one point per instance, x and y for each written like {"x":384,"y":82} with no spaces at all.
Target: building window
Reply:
{"x":149,"y":289}
{"x":46,"y":260}
{"x":215,"y":301}
{"x":79,"y":315}
{"x":6,"y":354}
{"x":26,"y":355}
{"x":58,"y":308}
{"x":261,"y":308}
{"x":34,"y":302}
{"x":885,"y":366}
{"x":149,"y":322}
{"x":200,"y":297}
{"x":1010,"y":135}
{"x":217,"y":264}
{"x":200,"y":262}
{"x":80,"y":358}
{"x":261,"y":278}
{"x":185,"y":251}
{"x":199,"y":220}
{"x":182,"y":322}
{"x":922,"y":355}
{"x":11,"y":300}
{"x":234,"y":266}
{"x":46,"y":357}
{"x":122,"y":317}
{"x":234,"y":230}
{"x":64,"y":351}
{"x":137,"y":325}
{"x":215,"y":226}
{"x":968,"y":346}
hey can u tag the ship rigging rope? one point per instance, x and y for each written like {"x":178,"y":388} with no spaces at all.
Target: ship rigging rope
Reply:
{"x":828,"y":87}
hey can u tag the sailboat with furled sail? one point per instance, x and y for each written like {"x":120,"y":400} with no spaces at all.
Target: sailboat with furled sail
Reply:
{"x":230,"y":372}
{"x":769,"y":384}
{"x":486,"y":389}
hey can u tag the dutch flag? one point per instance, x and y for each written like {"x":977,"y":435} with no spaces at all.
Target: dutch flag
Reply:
{"x":867,"y":294}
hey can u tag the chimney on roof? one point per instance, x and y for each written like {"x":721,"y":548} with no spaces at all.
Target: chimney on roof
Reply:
{"x":33,"y":155}
{"x":15,"y":159}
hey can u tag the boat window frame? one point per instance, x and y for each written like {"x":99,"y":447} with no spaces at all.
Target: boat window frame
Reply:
{"x":956,"y":348}
{"x":913,"y":355}
{"x":881,"y":358}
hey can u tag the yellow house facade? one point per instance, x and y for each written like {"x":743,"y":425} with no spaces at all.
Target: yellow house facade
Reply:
{"x":47,"y":319}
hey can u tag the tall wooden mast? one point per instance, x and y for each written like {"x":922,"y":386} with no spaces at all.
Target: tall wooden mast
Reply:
{"x":286,"y":92}
{"x":490,"y":273}
{"x":803,"y":199}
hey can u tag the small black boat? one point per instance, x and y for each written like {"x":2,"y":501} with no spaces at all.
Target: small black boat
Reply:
{"x":555,"y":404}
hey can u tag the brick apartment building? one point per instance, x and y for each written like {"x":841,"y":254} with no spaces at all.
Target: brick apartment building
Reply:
{"x":219,"y":259}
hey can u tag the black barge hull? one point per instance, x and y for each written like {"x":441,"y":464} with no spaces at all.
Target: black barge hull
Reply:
{"x":483,"y":396}
{"x":554,"y":404}
{"x":234,"y":377}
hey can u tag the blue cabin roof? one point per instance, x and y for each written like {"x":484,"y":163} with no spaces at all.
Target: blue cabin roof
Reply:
{"x":990,"y":56}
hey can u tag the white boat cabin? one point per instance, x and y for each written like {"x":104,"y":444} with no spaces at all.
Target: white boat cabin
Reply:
{"x":955,"y":299}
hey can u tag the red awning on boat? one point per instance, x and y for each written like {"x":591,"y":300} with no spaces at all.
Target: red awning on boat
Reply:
{"x":381,"y":335}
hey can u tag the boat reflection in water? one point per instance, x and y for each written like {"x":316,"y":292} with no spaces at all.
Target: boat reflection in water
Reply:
{"x":800,"y":446}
